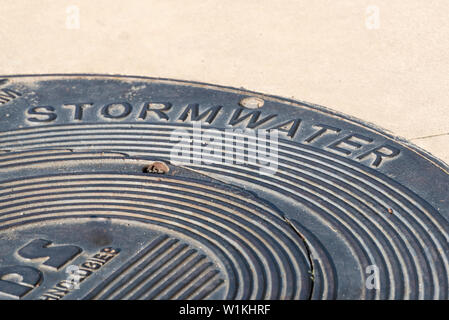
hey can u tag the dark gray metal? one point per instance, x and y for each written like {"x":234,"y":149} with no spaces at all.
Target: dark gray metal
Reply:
{"x":94,"y":205}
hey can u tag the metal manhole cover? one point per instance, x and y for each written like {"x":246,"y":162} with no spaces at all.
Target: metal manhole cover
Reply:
{"x":137,"y":188}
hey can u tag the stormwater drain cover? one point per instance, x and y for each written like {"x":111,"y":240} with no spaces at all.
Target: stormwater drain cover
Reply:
{"x":138,"y":188}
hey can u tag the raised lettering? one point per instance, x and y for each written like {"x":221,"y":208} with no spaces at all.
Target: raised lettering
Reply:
{"x":193,"y":111}
{"x":384,"y":151}
{"x":17,"y":281}
{"x":323,"y":129}
{"x":158,"y":108}
{"x":116,"y":110}
{"x":57,"y":256}
{"x":7,"y":95}
{"x":291,"y":127}
{"x":78,"y":109}
{"x":349,"y":141}
{"x":45,"y":113}
{"x":253,"y":117}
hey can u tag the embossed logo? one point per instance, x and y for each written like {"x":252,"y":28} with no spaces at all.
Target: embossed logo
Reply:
{"x":17,"y":281}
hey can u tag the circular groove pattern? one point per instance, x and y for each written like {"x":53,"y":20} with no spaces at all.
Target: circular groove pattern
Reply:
{"x":356,"y":228}
{"x":324,"y":221}
{"x":275,"y":277}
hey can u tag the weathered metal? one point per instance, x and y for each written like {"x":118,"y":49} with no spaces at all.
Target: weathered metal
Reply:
{"x":95,"y":203}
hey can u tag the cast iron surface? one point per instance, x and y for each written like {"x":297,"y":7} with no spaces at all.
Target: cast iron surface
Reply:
{"x":81,"y":217}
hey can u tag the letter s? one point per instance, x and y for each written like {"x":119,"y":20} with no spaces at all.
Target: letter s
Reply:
{"x":44,"y":113}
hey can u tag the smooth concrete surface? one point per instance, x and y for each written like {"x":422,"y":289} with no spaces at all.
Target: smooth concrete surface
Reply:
{"x":383,"y":61}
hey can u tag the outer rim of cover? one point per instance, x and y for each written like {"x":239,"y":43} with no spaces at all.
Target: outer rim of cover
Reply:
{"x":440,"y":164}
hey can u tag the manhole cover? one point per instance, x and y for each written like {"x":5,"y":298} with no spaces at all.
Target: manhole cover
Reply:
{"x":138,"y":188}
